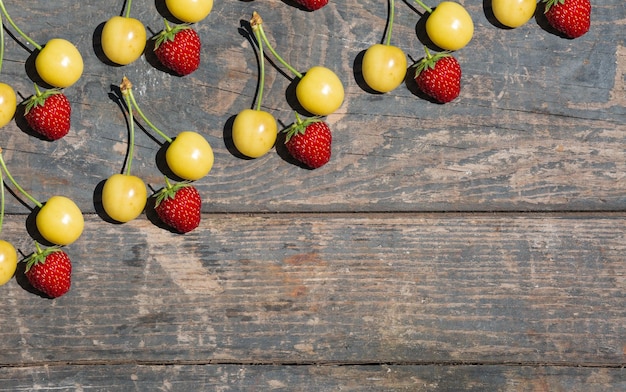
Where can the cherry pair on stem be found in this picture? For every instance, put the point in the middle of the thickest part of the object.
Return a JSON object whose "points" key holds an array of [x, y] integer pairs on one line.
{"points": [[123, 38], [189, 156], [384, 66], [319, 91]]}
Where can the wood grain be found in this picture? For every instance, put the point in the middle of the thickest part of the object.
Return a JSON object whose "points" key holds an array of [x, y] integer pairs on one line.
{"points": [[476, 245], [387, 378], [538, 126], [362, 288]]}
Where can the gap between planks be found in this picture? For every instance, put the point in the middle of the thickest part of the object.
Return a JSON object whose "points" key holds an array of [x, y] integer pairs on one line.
{"points": [[535, 364], [591, 214]]}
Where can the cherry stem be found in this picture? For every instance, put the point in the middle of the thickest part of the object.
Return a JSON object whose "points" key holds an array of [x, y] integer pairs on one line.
{"points": [[259, 97], [131, 141], [391, 17], [130, 96], [424, 6], [20, 32], [125, 88], [259, 26], [1, 200], [10, 177], [1, 44], [127, 12]]}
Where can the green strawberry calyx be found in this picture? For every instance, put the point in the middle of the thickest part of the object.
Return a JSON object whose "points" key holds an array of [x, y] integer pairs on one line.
{"points": [[169, 190], [40, 255], [300, 126], [168, 33], [429, 61], [39, 98], [550, 3]]}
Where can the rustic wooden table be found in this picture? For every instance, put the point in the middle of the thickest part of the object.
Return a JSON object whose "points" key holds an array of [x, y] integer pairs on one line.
{"points": [[477, 245]]}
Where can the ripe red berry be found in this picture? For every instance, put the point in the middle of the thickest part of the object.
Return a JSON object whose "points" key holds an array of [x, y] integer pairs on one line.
{"points": [[178, 49], [49, 114], [309, 142], [179, 206], [50, 271], [439, 76], [570, 17], [312, 5]]}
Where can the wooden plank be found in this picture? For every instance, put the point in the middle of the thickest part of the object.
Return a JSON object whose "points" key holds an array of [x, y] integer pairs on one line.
{"points": [[325, 291], [386, 378], [346, 288], [539, 124]]}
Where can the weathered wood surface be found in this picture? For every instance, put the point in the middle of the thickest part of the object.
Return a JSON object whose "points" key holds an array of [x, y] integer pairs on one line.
{"points": [[424, 256], [537, 113], [384, 378], [325, 289]]}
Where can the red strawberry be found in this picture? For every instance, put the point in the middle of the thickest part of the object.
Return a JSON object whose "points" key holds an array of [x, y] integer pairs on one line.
{"points": [[312, 5], [179, 206], [49, 271], [48, 113], [178, 48], [570, 17], [439, 76], [309, 141]]}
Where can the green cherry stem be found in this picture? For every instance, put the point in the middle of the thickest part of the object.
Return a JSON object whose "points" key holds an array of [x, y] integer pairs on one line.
{"points": [[20, 32], [1, 44], [392, 12], [10, 177], [424, 6], [1, 200], [257, 23], [127, 11], [132, 101], [257, 34], [125, 87]]}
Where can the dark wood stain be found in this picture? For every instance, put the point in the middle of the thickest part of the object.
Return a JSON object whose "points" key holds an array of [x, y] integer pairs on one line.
{"points": [[475, 246]]}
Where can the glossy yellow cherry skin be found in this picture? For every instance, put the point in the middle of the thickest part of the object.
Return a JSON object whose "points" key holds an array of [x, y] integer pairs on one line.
{"points": [[513, 13], [384, 67], [123, 39], [254, 132], [320, 91], [189, 156], [8, 261], [59, 63], [450, 26], [60, 221], [8, 104], [189, 11], [124, 197]]}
